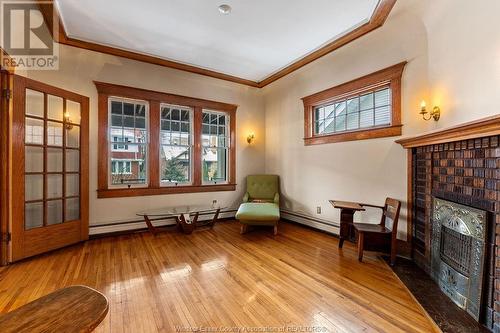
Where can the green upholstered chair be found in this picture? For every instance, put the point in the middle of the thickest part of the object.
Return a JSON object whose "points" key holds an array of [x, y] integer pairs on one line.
{"points": [[261, 203]]}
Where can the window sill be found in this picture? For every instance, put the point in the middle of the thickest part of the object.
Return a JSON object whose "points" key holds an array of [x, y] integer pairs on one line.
{"points": [[371, 133], [136, 192]]}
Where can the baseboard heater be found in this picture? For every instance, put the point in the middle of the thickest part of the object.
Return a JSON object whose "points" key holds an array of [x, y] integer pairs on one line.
{"points": [[313, 222], [139, 224]]}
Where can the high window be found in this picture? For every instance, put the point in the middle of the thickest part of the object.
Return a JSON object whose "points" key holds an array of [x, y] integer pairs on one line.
{"points": [[158, 143], [365, 108]]}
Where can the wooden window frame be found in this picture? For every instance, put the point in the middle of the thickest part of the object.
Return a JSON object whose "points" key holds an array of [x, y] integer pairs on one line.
{"points": [[155, 99], [390, 76]]}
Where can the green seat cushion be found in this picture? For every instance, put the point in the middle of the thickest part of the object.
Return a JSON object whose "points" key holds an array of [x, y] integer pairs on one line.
{"points": [[262, 212]]}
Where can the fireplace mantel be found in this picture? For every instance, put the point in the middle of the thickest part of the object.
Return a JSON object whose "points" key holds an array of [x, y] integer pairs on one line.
{"points": [[475, 129]]}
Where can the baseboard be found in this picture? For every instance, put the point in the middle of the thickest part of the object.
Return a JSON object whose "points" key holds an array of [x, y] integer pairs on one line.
{"points": [[139, 224], [122, 227], [313, 222]]}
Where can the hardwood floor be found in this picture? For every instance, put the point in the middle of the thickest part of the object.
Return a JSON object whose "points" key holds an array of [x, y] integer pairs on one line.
{"points": [[219, 278]]}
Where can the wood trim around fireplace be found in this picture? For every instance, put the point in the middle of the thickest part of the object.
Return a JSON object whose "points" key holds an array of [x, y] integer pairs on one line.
{"points": [[485, 127], [475, 129]]}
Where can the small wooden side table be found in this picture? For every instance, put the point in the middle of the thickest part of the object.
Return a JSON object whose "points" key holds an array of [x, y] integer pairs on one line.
{"points": [[78, 309], [347, 210]]}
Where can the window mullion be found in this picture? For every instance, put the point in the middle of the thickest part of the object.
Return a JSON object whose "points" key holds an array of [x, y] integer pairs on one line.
{"points": [[197, 126], [154, 144]]}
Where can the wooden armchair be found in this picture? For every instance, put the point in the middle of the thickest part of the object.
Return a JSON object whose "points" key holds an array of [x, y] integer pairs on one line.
{"points": [[380, 237]]}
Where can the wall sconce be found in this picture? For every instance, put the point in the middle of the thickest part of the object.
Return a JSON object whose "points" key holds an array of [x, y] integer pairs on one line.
{"points": [[435, 113], [67, 121], [250, 138]]}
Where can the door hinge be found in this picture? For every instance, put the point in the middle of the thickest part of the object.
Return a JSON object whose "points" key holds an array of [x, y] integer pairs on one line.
{"points": [[6, 237], [7, 93]]}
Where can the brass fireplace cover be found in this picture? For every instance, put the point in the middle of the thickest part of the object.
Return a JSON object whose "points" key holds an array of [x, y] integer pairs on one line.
{"points": [[458, 268]]}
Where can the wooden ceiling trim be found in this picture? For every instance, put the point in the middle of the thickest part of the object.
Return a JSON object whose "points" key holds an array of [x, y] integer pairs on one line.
{"points": [[378, 18]]}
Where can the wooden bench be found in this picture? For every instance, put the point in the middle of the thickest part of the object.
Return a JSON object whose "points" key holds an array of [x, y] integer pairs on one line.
{"points": [[72, 309]]}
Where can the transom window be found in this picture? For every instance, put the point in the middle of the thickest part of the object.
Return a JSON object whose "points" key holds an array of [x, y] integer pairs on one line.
{"points": [[159, 143], [365, 108]]}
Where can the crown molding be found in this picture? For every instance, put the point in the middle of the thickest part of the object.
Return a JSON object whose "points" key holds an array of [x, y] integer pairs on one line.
{"points": [[378, 18]]}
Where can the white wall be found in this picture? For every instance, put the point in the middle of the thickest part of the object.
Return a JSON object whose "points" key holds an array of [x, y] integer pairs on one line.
{"points": [[464, 58], [451, 61], [77, 70]]}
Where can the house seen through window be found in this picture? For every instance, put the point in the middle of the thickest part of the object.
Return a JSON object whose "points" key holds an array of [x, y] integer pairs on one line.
{"points": [[128, 135], [159, 143]]}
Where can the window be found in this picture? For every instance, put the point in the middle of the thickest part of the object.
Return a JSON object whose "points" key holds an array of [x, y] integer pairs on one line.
{"points": [[157, 143], [117, 146], [359, 111], [365, 108], [128, 119], [214, 146], [176, 144], [121, 167]]}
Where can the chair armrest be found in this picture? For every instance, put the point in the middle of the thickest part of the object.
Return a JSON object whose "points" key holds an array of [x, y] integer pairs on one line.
{"points": [[369, 205], [246, 197], [276, 199]]}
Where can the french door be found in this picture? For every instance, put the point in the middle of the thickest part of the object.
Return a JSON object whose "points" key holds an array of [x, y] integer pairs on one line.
{"points": [[49, 168]]}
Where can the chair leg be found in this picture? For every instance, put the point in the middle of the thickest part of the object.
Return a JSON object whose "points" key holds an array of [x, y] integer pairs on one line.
{"points": [[275, 229], [361, 241], [341, 242], [243, 228]]}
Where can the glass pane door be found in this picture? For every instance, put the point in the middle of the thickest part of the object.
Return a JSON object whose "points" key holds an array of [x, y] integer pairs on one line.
{"points": [[49, 168], [52, 160]]}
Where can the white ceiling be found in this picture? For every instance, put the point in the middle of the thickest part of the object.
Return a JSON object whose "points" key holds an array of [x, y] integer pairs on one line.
{"points": [[257, 39]]}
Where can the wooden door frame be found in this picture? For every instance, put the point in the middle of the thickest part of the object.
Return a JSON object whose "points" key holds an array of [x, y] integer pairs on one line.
{"points": [[20, 84], [5, 107]]}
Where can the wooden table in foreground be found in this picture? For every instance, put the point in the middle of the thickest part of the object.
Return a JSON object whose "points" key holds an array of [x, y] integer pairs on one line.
{"points": [[347, 210], [72, 309], [182, 215]]}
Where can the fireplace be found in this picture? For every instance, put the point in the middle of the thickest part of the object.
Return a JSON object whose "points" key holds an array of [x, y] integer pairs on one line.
{"points": [[458, 251], [458, 167]]}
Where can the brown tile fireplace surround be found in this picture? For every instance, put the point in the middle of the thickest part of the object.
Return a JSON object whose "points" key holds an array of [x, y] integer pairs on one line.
{"points": [[459, 169]]}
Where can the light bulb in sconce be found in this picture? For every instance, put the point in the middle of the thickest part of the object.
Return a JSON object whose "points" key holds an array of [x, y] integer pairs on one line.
{"points": [[67, 120], [422, 106], [434, 114], [250, 138]]}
